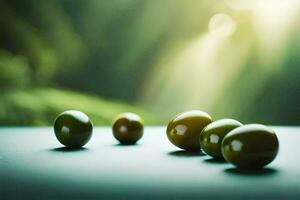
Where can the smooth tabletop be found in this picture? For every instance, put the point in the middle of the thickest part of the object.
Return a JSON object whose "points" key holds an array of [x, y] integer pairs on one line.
{"points": [[34, 165]]}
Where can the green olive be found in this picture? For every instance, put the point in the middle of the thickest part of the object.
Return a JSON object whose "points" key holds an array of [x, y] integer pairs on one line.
{"points": [[128, 128], [73, 128], [212, 135], [184, 129], [251, 146]]}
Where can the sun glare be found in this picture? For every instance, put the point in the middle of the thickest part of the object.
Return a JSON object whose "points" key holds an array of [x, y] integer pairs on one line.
{"points": [[199, 72]]}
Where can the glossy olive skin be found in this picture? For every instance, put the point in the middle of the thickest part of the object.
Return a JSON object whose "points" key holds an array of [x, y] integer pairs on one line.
{"points": [[73, 128], [184, 129], [212, 136], [128, 128], [251, 146]]}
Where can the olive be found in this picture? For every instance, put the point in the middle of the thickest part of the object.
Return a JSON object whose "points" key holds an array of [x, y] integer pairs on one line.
{"points": [[73, 128], [251, 146], [184, 129], [212, 135], [128, 128]]}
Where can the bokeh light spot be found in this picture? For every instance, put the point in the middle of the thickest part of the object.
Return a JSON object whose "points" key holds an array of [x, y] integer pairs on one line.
{"points": [[221, 25]]}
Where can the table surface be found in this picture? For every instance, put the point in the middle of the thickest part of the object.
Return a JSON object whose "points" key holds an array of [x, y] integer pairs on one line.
{"points": [[33, 165]]}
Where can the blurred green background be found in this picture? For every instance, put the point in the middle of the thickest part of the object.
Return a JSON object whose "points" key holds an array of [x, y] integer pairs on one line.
{"points": [[232, 58]]}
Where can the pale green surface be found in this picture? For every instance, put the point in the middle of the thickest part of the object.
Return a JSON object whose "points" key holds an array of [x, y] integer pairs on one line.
{"points": [[32, 167]]}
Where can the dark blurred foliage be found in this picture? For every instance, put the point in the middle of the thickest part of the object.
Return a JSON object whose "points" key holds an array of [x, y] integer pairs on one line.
{"points": [[93, 45], [123, 39], [109, 47], [42, 33]]}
